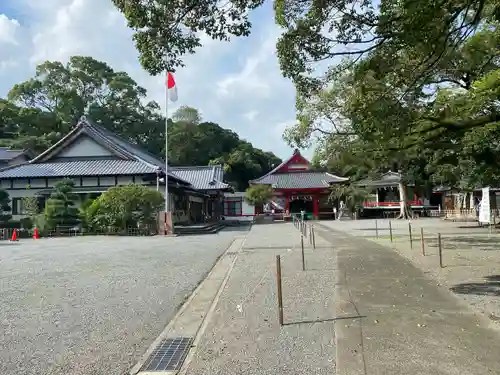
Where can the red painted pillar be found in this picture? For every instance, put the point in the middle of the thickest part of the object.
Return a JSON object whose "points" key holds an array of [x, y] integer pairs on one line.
{"points": [[315, 206], [287, 204]]}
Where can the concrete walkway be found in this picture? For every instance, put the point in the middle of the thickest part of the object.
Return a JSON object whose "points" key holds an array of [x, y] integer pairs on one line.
{"points": [[410, 325], [243, 335], [359, 308]]}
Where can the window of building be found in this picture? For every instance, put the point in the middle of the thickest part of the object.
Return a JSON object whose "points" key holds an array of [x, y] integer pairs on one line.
{"points": [[233, 207], [17, 206]]}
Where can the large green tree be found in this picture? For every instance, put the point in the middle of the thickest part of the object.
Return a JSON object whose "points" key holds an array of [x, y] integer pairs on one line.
{"points": [[441, 130], [44, 108]]}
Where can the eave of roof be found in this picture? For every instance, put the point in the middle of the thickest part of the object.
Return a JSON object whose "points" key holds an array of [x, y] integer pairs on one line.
{"points": [[300, 180]]}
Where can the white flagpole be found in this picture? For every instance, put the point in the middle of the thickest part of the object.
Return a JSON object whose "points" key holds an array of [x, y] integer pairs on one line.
{"points": [[166, 133]]}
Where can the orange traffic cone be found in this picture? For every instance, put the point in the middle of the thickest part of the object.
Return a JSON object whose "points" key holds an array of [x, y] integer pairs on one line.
{"points": [[36, 236], [14, 235]]}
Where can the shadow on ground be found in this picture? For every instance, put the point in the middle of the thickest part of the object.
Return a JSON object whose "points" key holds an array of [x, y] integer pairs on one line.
{"points": [[490, 287], [325, 320]]}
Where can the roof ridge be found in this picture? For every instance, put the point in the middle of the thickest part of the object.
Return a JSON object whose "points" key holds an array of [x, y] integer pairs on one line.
{"points": [[195, 166], [93, 128], [283, 163], [108, 132], [73, 131]]}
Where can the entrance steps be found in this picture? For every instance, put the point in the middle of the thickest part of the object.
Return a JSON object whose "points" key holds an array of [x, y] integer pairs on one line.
{"points": [[197, 229]]}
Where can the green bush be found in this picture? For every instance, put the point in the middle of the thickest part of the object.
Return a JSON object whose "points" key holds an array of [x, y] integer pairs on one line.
{"points": [[5, 209], [59, 208], [26, 223], [122, 207], [40, 223]]}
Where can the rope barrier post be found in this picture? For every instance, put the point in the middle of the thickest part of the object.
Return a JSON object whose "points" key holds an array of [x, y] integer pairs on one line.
{"points": [[422, 241], [303, 256], [440, 247], [411, 238], [279, 293], [390, 229], [313, 238]]}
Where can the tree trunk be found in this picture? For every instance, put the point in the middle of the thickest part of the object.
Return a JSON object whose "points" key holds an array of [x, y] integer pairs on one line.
{"points": [[404, 212]]}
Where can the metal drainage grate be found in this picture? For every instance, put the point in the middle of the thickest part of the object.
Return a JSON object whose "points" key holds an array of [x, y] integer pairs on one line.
{"points": [[232, 253], [169, 355]]}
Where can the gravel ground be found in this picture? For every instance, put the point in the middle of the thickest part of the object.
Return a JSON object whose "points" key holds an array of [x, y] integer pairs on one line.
{"points": [[93, 305], [248, 339], [471, 256]]}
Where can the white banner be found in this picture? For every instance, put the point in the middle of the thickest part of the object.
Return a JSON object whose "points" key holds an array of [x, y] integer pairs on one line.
{"points": [[484, 207]]}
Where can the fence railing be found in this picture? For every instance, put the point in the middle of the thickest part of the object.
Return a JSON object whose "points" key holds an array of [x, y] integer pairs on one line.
{"points": [[71, 231]]}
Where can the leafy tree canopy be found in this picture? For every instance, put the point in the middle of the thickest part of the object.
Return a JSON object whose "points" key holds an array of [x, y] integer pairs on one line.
{"points": [[173, 28], [438, 129], [257, 195]]}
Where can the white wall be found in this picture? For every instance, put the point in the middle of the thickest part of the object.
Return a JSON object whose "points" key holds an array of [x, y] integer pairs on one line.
{"points": [[84, 146], [247, 210]]}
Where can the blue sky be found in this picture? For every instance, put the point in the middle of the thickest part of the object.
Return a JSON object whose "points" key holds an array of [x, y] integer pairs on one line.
{"points": [[236, 84]]}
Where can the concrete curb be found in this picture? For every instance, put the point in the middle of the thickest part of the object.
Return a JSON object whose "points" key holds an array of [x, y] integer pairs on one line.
{"points": [[171, 325], [209, 314]]}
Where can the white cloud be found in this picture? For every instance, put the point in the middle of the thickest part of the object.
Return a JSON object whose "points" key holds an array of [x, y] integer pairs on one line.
{"points": [[8, 29], [251, 116], [236, 84]]}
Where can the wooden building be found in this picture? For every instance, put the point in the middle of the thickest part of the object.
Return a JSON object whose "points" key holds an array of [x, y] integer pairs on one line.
{"points": [[296, 187], [97, 159]]}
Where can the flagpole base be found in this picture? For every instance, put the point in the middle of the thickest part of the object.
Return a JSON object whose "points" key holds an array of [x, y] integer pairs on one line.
{"points": [[165, 223]]}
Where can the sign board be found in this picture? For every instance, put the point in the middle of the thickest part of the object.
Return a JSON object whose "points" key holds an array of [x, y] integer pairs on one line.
{"points": [[484, 207]]}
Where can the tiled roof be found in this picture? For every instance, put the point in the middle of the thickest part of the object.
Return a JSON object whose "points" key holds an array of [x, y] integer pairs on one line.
{"points": [[8, 154], [299, 180], [387, 179], [131, 158], [78, 168], [202, 177]]}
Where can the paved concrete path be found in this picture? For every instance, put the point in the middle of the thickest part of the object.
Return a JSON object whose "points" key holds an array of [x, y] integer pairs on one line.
{"points": [[409, 324], [243, 335]]}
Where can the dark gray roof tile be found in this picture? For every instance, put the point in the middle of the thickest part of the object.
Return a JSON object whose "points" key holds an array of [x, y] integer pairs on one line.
{"points": [[8, 154], [78, 168], [299, 180], [202, 177]]}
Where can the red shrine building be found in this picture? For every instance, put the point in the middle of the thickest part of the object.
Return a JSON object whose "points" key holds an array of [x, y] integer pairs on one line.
{"points": [[297, 188]]}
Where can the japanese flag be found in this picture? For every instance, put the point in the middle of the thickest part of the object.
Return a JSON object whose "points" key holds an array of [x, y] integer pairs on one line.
{"points": [[172, 87]]}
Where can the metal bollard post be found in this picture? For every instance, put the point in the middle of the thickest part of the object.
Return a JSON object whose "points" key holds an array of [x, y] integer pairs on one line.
{"points": [[303, 256], [390, 229], [313, 238], [376, 228], [440, 246], [310, 235], [280, 294], [411, 238], [422, 241]]}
